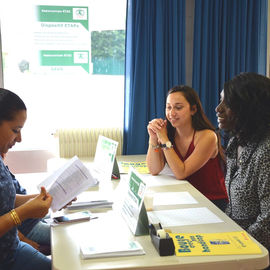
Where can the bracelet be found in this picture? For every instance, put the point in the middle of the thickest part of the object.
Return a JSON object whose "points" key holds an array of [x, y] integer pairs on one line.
{"points": [[15, 217], [155, 147]]}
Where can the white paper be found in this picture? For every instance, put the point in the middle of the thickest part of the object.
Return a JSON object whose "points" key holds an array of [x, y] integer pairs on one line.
{"points": [[182, 217], [173, 198], [162, 180], [67, 182]]}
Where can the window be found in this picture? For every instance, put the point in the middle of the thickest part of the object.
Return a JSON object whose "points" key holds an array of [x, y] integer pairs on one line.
{"points": [[65, 59]]}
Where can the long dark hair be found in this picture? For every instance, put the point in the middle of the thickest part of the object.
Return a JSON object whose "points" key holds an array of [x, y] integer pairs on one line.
{"points": [[248, 96], [10, 103], [199, 119]]}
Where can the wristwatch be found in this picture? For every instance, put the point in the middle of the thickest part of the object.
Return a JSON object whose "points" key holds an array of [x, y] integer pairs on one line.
{"points": [[166, 145]]}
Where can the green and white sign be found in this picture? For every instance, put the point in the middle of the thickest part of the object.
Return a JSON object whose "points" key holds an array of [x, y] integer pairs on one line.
{"points": [[63, 16], [65, 58], [104, 158], [62, 39], [133, 209]]}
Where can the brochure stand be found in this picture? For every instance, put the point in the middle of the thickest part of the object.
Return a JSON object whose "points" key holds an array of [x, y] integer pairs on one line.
{"points": [[115, 172], [143, 223]]}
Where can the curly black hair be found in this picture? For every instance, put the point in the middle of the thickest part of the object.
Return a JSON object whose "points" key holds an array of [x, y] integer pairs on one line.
{"points": [[248, 96]]}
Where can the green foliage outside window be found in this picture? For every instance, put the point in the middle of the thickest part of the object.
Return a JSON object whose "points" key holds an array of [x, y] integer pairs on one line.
{"points": [[108, 52]]}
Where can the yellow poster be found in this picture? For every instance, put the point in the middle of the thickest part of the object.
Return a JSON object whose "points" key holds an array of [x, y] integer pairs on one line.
{"points": [[203, 244], [140, 167]]}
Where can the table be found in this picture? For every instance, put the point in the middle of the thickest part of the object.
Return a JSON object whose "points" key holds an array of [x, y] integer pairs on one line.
{"points": [[109, 226]]}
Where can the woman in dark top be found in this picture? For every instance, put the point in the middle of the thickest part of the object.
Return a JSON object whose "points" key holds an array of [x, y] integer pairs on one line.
{"points": [[187, 142]]}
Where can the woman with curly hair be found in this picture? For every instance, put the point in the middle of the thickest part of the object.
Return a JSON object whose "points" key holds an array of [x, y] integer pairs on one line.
{"points": [[244, 112]]}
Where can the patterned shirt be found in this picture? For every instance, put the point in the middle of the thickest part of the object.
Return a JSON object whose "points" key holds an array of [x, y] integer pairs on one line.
{"points": [[10, 240], [27, 225], [248, 187]]}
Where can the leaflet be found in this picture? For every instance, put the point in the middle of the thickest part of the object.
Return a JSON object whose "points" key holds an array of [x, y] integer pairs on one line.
{"points": [[68, 182], [141, 167], [202, 244]]}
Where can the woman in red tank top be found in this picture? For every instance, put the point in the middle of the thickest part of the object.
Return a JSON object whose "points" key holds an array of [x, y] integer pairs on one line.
{"points": [[187, 141]]}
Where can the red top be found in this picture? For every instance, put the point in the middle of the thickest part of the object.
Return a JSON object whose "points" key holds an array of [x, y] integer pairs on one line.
{"points": [[209, 179]]}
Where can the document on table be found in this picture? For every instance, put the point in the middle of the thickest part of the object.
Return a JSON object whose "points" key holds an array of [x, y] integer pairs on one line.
{"points": [[182, 217], [90, 204], [68, 182], [140, 166], [111, 249], [172, 198], [162, 180]]}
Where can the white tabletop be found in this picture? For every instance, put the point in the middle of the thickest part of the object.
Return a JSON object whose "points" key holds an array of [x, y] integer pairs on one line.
{"points": [[110, 226]]}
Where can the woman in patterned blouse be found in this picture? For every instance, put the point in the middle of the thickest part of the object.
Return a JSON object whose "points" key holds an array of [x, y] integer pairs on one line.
{"points": [[244, 111]]}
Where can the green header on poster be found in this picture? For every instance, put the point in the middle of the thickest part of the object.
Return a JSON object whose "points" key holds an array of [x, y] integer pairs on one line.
{"points": [[63, 16], [65, 58]]}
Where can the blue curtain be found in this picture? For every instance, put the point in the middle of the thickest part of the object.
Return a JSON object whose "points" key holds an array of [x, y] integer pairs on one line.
{"points": [[155, 61], [229, 37]]}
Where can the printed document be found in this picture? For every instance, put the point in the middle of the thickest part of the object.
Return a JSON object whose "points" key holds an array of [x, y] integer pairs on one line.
{"points": [[141, 167], [68, 182]]}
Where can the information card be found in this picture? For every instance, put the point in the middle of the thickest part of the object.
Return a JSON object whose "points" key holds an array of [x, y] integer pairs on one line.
{"points": [[133, 209]]}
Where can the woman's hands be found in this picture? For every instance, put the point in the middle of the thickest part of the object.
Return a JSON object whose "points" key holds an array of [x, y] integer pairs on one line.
{"points": [[73, 200], [157, 130], [37, 207]]}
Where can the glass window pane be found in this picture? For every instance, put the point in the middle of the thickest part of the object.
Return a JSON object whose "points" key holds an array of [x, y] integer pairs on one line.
{"points": [[66, 60]]}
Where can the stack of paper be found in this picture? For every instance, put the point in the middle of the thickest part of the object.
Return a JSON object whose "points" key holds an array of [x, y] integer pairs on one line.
{"points": [[115, 249], [90, 204]]}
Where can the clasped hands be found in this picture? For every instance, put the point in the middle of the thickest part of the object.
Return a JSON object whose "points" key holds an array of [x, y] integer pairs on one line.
{"points": [[157, 130]]}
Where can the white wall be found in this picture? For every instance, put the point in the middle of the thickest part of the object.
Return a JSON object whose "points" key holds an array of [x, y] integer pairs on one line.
{"points": [[28, 161]]}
